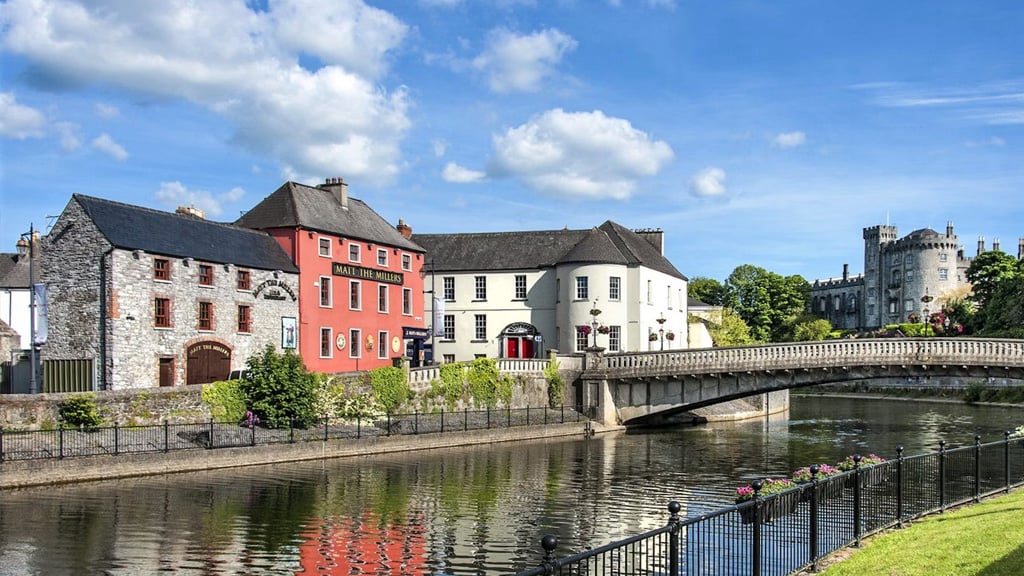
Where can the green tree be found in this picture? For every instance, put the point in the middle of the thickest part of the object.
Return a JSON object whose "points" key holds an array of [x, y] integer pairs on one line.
{"points": [[987, 270], [1004, 312], [812, 329], [768, 303], [709, 291], [279, 389], [732, 331]]}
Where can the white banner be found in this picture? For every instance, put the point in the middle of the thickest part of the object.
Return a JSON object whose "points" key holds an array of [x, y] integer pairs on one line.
{"points": [[438, 324], [41, 314]]}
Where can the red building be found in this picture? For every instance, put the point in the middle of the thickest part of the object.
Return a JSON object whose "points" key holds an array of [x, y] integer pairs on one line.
{"points": [[360, 283]]}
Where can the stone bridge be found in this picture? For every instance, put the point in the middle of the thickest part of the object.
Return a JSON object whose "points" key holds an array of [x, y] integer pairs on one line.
{"points": [[639, 388]]}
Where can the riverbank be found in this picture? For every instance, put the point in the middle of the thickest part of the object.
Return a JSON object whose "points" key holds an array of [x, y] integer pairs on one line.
{"points": [[916, 398], [25, 473]]}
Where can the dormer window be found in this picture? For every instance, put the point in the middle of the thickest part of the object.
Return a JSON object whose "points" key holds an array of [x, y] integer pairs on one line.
{"points": [[161, 269], [205, 275]]}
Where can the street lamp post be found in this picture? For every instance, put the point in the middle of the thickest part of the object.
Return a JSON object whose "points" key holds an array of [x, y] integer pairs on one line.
{"points": [[433, 310], [924, 310], [661, 329], [27, 245]]}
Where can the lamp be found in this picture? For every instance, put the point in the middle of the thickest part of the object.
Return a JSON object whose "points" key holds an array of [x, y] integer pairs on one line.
{"points": [[27, 246], [661, 329], [924, 312], [433, 306]]}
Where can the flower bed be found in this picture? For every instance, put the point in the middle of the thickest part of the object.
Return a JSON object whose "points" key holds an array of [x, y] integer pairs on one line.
{"points": [[773, 503]]}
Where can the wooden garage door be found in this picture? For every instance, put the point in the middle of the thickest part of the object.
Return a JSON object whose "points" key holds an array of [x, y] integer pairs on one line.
{"points": [[208, 362]]}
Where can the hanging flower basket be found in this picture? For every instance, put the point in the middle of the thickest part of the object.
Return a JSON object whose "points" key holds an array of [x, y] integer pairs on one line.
{"points": [[584, 329], [595, 311], [603, 329], [670, 336], [652, 337]]}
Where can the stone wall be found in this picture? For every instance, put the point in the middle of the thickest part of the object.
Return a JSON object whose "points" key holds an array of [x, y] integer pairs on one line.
{"points": [[176, 405]]}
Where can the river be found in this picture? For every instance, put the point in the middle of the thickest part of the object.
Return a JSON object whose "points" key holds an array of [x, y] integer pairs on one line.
{"points": [[474, 510]]}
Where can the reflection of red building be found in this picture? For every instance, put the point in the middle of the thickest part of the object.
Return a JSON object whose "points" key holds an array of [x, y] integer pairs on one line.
{"points": [[366, 547], [359, 277]]}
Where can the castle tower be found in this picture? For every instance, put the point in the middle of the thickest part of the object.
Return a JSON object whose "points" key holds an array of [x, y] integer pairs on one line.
{"points": [[876, 239], [981, 245]]}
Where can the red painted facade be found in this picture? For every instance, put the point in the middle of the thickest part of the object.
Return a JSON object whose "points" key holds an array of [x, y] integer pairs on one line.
{"points": [[355, 297]]}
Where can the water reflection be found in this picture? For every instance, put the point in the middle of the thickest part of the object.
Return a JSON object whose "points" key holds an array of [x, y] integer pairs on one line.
{"points": [[478, 510]]}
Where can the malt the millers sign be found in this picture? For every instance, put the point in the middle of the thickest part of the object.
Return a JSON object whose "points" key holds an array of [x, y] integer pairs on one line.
{"points": [[350, 271]]}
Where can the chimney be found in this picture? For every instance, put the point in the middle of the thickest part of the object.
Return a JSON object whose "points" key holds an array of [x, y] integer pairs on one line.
{"points": [[846, 272], [404, 229], [339, 188], [995, 244], [981, 245], [654, 236], [190, 211], [949, 229], [1020, 249]]}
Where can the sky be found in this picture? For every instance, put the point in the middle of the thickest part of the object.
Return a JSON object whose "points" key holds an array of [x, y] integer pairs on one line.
{"points": [[752, 132]]}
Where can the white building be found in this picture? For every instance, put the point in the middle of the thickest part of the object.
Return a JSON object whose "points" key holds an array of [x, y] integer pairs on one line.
{"points": [[520, 294], [15, 307]]}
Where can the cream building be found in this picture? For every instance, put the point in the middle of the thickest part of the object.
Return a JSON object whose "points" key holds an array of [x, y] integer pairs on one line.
{"points": [[520, 294]]}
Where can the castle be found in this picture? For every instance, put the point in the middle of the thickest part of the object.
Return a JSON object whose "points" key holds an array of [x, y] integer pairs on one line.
{"points": [[912, 275]]}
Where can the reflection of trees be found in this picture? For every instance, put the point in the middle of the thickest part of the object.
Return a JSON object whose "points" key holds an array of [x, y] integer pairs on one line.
{"points": [[277, 514]]}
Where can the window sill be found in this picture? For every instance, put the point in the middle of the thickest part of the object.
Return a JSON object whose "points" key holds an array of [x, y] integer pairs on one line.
{"points": [[444, 341], [478, 341], [478, 300]]}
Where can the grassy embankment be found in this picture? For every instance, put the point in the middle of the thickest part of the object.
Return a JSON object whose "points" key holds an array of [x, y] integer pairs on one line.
{"points": [[984, 539]]}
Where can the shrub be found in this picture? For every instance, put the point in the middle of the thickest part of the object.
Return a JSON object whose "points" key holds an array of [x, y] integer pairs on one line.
{"points": [[389, 387], [485, 381], [556, 383], [279, 389], [225, 400], [974, 392], [453, 384], [80, 411]]}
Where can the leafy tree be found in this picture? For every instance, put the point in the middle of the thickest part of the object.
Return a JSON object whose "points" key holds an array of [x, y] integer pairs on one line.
{"points": [[709, 291], [768, 302], [1004, 312], [80, 410], [812, 329], [987, 270], [279, 389], [732, 331]]}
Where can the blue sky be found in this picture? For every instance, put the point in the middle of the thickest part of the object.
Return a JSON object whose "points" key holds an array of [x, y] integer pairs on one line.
{"points": [[752, 132]]}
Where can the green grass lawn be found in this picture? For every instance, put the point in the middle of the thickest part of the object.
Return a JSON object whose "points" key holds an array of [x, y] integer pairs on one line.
{"points": [[984, 539]]}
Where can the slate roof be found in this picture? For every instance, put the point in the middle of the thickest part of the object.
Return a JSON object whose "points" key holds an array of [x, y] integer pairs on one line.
{"points": [[136, 228], [14, 270], [609, 243], [311, 208]]}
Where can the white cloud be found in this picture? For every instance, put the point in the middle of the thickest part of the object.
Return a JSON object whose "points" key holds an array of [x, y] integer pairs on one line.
{"points": [[708, 182], [515, 63], [175, 194], [106, 110], [240, 63], [104, 143], [17, 121], [789, 139], [68, 135], [581, 154], [440, 147], [454, 173], [993, 141]]}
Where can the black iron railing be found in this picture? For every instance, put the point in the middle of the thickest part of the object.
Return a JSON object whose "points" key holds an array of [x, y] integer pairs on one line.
{"points": [[791, 531], [65, 442]]}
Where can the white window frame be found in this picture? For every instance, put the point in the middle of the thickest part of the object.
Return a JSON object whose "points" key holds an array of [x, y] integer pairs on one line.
{"points": [[355, 343], [520, 286], [449, 291], [355, 252], [382, 290], [480, 327], [943, 273], [582, 288], [358, 294], [382, 257], [480, 288], [406, 261], [449, 327], [407, 301], [324, 246], [382, 344], [330, 292], [614, 288], [615, 338], [330, 342]]}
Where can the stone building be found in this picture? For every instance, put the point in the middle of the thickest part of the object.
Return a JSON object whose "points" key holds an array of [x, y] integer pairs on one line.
{"points": [[904, 278], [518, 294], [360, 286], [143, 298]]}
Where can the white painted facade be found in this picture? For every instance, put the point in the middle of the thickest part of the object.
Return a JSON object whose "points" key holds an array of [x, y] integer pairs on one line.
{"points": [[15, 310]]}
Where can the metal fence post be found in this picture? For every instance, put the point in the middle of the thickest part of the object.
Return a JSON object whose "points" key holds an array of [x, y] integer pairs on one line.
{"points": [[563, 414], [488, 417], [977, 467], [856, 499], [942, 475], [2, 443], [755, 540], [60, 441], [549, 563], [359, 426], [116, 439], [252, 434], [508, 420], [527, 414], [813, 519], [291, 431], [211, 433], [545, 415], [416, 422], [442, 420], [673, 543], [465, 418], [389, 424], [899, 486], [1006, 456], [167, 436], [325, 429]]}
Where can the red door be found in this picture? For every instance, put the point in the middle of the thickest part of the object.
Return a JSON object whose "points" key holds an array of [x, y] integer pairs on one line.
{"points": [[527, 348], [511, 347]]}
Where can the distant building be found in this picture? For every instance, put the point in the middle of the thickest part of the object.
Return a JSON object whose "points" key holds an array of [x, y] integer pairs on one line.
{"points": [[903, 278], [360, 286], [519, 294], [14, 295], [145, 298]]}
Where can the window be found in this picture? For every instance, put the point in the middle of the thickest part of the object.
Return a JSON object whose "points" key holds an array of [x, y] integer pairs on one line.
{"points": [[908, 304], [325, 292], [243, 280], [162, 312], [326, 341], [909, 276], [480, 326], [520, 287], [908, 260], [206, 315], [382, 298], [558, 290], [205, 275], [324, 246], [354, 252], [650, 294], [481, 287], [355, 340], [161, 269], [895, 259], [582, 288], [449, 288], [355, 296], [449, 327], [837, 303], [614, 338], [406, 262], [382, 345], [407, 301], [668, 297], [614, 288], [894, 306], [244, 318], [581, 340], [382, 257], [449, 358], [943, 257], [943, 273]]}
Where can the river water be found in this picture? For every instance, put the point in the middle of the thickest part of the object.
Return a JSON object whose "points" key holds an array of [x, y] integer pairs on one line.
{"points": [[474, 510]]}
